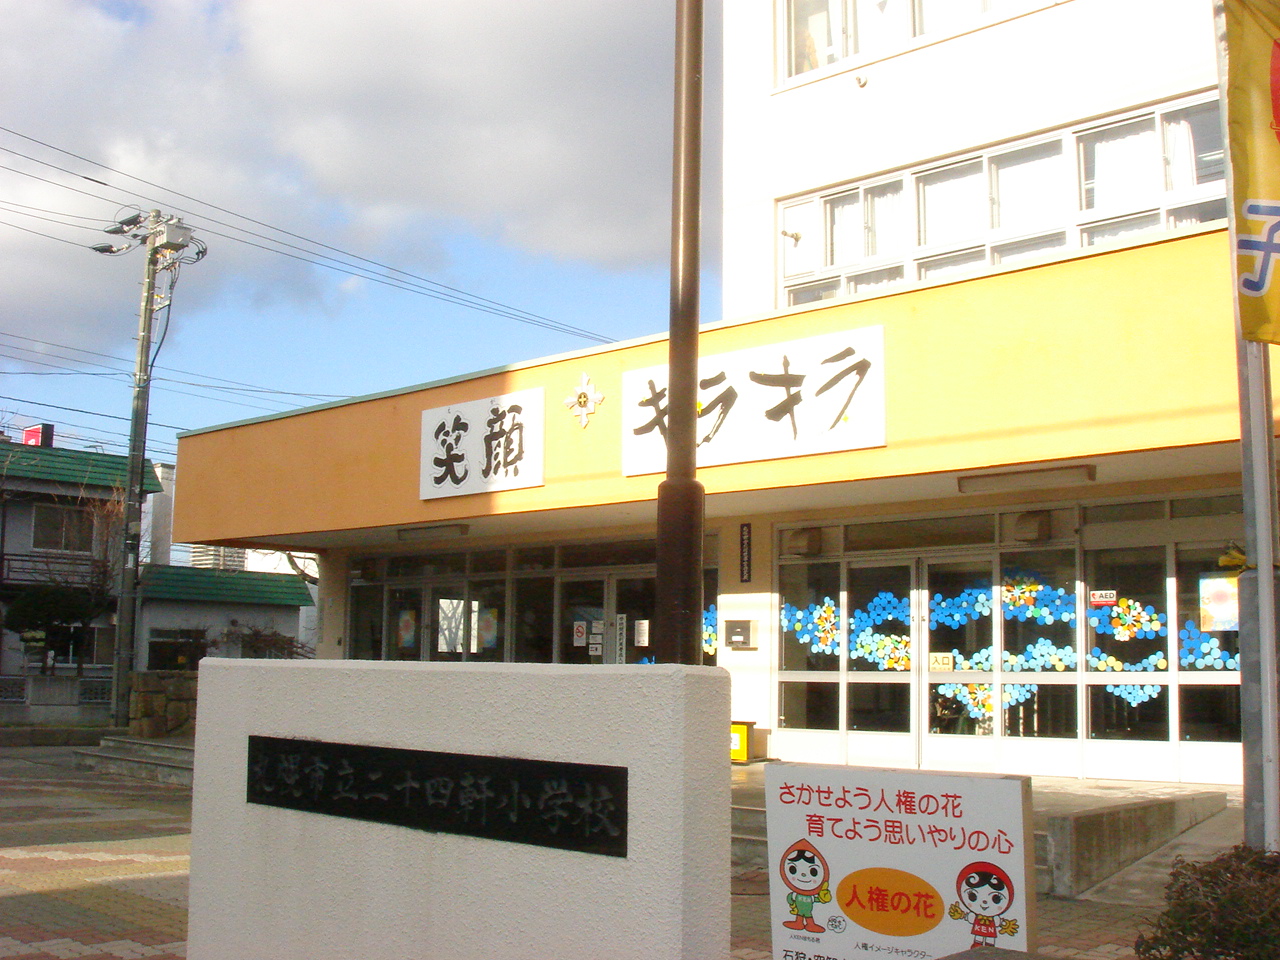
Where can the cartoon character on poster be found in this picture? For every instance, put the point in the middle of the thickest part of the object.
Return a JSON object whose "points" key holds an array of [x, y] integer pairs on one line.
{"points": [[986, 893], [805, 872]]}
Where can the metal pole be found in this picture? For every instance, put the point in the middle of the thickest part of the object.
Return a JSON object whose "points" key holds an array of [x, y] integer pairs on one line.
{"points": [[678, 637], [1259, 695], [131, 526], [1259, 692]]}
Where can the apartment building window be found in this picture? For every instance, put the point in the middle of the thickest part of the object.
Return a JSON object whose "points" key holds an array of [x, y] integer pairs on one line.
{"points": [[823, 32], [1119, 178], [65, 528]]}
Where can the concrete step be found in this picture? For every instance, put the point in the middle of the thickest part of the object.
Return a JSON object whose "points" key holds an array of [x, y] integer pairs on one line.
{"points": [[1077, 849], [177, 750], [160, 761], [54, 736]]}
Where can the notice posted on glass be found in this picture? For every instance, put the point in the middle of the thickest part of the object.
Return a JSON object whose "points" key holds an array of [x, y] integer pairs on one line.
{"points": [[908, 864]]}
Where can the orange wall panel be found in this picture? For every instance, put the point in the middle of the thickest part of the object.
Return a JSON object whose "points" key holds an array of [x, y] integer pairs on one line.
{"points": [[1106, 353]]}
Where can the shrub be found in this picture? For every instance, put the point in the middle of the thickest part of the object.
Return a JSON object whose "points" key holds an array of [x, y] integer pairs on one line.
{"points": [[1227, 908]]}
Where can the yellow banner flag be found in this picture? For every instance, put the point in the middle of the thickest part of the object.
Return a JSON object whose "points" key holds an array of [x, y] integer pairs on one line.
{"points": [[1253, 134]]}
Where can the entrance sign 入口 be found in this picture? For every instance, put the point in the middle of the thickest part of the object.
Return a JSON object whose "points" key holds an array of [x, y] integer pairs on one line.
{"points": [[482, 446], [867, 862], [818, 395]]}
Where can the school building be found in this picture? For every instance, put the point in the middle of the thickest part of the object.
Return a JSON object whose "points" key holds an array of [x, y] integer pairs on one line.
{"points": [[969, 429]]}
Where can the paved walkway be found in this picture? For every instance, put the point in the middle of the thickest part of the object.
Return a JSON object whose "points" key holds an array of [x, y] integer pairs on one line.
{"points": [[91, 867], [95, 867]]}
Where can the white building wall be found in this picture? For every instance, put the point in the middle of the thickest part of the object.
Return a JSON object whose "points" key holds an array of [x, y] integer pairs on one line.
{"points": [[216, 619], [1062, 63]]}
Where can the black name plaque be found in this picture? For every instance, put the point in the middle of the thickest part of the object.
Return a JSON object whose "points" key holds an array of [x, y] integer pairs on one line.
{"points": [[568, 806]]}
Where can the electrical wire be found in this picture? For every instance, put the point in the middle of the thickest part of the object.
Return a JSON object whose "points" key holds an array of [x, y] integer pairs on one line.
{"points": [[92, 413], [99, 221], [97, 228], [129, 374], [452, 294], [47, 236], [190, 373], [565, 328]]}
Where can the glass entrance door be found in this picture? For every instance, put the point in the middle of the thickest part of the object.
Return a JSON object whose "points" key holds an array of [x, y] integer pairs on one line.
{"points": [[879, 692], [960, 596], [880, 649], [606, 619]]}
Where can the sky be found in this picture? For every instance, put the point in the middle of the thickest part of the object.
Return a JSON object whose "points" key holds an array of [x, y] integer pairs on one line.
{"points": [[514, 154]]}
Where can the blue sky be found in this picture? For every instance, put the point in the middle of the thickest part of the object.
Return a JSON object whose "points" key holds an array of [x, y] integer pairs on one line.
{"points": [[517, 151]]}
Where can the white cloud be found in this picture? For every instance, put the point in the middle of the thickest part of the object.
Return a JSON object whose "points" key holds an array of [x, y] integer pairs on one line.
{"points": [[548, 122], [375, 125]]}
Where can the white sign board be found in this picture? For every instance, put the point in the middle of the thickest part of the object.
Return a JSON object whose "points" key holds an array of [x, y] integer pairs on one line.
{"points": [[818, 395], [897, 863], [482, 446]]}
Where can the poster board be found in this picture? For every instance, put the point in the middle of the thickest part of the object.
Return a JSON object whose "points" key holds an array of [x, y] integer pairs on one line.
{"points": [[867, 862]]}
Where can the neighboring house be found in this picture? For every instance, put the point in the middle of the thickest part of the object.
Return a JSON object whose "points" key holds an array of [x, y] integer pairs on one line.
{"points": [[968, 429], [59, 528], [59, 555], [191, 612]]}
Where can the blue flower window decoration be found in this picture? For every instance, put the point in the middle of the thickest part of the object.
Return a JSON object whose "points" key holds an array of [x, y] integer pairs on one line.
{"points": [[1016, 693], [974, 697], [888, 651], [972, 604], [1133, 693], [1042, 656], [1204, 651], [710, 630], [818, 625], [1024, 598]]}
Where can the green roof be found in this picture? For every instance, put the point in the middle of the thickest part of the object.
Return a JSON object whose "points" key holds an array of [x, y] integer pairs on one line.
{"points": [[78, 467], [223, 586]]}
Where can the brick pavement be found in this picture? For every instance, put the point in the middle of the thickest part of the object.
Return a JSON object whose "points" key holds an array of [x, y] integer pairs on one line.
{"points": [[95, 867], [91, 867]]}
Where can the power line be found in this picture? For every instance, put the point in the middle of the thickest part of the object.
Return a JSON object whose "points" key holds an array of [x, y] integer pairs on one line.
{"points": [[96, 228], [47, 236], [530, 317], [190, 373], [125, 373], [92, 413], [99, 221], [451, 294]]}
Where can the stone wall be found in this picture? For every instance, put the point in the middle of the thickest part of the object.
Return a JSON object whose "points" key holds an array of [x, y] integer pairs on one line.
{"points": [[162, 703]]}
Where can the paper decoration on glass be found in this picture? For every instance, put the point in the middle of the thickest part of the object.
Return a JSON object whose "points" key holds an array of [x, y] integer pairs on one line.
{"points": [[819, 395], [483, 445]]}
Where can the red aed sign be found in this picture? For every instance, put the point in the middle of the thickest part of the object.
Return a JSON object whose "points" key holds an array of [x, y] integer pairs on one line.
{"points": [[1102, 598]]}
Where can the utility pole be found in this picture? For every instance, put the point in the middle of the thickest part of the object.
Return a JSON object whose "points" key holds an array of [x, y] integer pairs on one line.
{"points": [[164, 239]]}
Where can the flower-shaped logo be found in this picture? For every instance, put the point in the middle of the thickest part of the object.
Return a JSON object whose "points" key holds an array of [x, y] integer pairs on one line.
{"points": [[583, 401]]}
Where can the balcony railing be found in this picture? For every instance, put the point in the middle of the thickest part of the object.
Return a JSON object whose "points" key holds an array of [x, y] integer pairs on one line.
{"points": [[52, 568]]}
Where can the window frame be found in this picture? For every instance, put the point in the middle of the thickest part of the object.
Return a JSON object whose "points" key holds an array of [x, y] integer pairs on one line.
{"points": [[850, 48], [70, 517], [1069, 227]]}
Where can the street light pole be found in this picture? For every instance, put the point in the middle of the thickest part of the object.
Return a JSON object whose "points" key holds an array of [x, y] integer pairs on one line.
{"points": [[678, 638]]}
